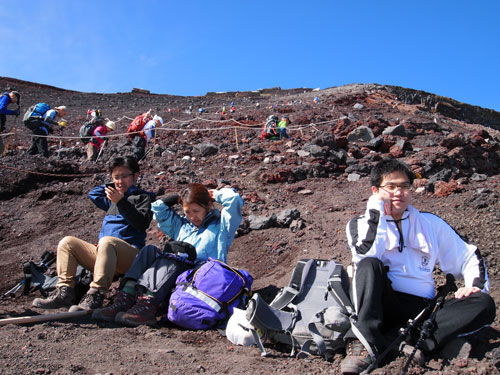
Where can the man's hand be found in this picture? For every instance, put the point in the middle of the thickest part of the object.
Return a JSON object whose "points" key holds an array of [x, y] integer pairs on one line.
{"points": [[466, 291], [17, 112], [385, 197], [112, 194]]}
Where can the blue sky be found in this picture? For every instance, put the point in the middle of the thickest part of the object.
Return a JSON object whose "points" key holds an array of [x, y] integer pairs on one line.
{"points": [[449, 48]]}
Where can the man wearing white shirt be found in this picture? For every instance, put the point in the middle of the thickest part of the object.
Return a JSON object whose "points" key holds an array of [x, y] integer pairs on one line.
{"points": [[394, 250]]}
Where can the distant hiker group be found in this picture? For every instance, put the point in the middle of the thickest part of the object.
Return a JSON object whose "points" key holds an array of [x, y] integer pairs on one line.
{"points": [[40, 119], [274, 128]]}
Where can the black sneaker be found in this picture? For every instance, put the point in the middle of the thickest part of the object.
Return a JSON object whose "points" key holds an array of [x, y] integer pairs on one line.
{"points": [[357, 359], [90, 301], [63, 296]]}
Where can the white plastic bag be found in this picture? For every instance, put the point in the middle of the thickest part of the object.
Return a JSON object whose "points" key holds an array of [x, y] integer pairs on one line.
{"points": [[238, 329]]}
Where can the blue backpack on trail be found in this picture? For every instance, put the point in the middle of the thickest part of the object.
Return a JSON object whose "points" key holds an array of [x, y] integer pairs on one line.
{"points": [[204, 297], [34, 114]]}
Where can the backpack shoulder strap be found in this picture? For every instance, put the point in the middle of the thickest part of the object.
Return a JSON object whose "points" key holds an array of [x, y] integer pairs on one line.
{"points": [[295, 285], [336, 289]]}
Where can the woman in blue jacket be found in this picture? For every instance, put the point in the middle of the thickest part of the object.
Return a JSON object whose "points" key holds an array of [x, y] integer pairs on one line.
{"points": [[209, 230]]}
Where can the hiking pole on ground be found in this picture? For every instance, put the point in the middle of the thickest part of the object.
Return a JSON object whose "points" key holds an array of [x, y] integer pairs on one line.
{"points": [[44, 317], [412, 324], [429, 323], [100, 149]]}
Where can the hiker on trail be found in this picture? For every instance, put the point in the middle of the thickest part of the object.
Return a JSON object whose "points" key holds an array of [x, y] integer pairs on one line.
{"points": [[40, 121], [148, 131], [209, 230], [394, 249], [281, 126], [7, 98], [98, 138], [137, 125], [123, 234], [94, 114]]}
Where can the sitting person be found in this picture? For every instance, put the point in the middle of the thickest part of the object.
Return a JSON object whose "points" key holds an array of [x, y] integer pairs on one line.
{"points": [[123, 233], [209, 230], [394, 249]]}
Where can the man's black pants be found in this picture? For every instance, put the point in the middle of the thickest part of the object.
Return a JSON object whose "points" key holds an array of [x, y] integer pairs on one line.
{"points": [[381, 310], [38, 144]]}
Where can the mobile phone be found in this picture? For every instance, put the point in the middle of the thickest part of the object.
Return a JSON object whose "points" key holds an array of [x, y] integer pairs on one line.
{"points": [[110, 184]]}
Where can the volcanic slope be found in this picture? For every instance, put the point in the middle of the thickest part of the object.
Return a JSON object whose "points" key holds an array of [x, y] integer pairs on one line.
{"points": [[299, 195]]}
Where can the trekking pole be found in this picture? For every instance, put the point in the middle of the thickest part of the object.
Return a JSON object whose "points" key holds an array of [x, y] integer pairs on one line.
{"points": [[60, 145], [13, 291], [429, 323], [13, 131], [404, 331], [412, 324], [100, 149], [154, 143]]}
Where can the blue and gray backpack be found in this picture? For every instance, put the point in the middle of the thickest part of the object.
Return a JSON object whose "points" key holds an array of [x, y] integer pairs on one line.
{"points": [[34, 114]]}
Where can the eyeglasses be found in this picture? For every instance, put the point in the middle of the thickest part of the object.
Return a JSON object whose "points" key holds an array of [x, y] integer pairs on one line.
{"points": [[121, 177], [391, 188]]}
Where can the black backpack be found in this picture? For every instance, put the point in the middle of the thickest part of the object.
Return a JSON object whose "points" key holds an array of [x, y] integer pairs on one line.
{"points": [[87, 129], [40, 277]]}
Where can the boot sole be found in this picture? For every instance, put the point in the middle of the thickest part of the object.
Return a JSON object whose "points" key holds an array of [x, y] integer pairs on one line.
{"points": [[123, 320]]}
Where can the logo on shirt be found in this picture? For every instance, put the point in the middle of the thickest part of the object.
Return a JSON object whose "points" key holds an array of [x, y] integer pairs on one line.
{"points": [[424, 264]]}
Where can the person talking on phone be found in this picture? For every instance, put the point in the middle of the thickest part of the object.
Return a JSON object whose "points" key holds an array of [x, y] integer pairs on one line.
{"points": [[123, 234]]}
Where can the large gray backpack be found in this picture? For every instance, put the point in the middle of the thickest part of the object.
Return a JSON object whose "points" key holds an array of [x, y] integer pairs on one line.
{"points": [[311, 315]]}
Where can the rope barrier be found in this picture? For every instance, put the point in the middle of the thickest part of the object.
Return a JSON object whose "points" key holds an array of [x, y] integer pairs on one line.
{"points": [[198, 129]]}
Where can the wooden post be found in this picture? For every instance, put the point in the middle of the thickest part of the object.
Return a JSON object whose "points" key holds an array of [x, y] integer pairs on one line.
{"points": [[44, 317], [236, 136]]}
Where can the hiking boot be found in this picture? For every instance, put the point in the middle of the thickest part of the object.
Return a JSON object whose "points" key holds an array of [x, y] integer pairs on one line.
{"points": [[122, 302], [63, 296], [90, 301], [407, 349], [143, 312], [357, 359], [457, 349]]}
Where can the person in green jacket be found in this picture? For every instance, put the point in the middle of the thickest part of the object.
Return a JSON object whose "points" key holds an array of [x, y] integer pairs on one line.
{"points": [[281, 127]]}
